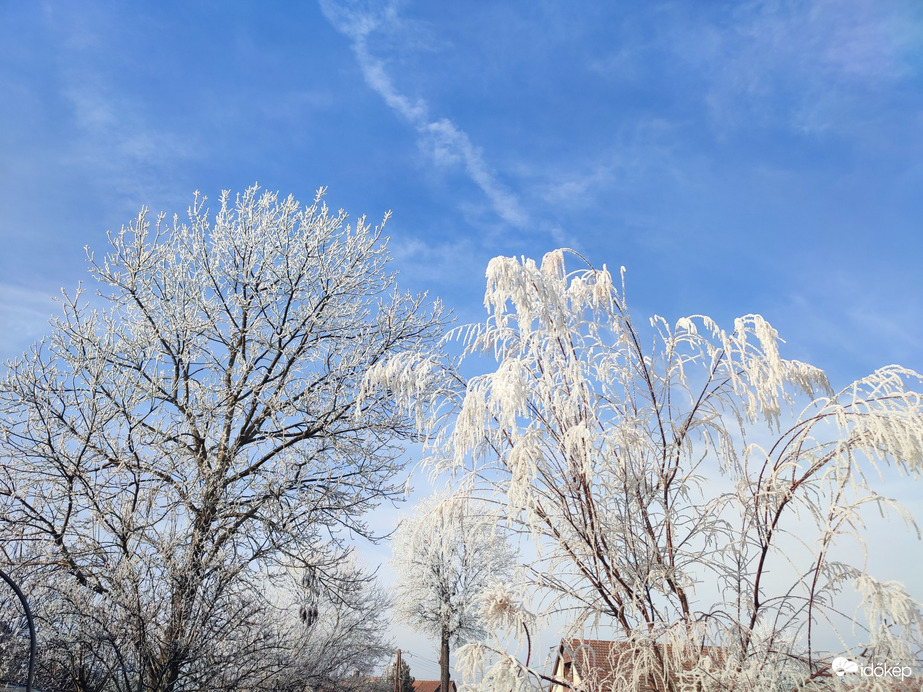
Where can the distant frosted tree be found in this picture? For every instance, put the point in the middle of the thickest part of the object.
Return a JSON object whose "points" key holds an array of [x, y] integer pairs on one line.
{"points": [[208, 425], [688, 489], [446, 555]]}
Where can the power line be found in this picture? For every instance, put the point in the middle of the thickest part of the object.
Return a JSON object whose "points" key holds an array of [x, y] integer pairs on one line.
{"points": [[425, 672], [422, 658], [421, 667], [429, 667], [405, 652]]}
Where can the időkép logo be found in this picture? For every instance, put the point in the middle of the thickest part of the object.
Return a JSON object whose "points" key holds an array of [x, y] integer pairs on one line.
{"points": [[844, 666]]}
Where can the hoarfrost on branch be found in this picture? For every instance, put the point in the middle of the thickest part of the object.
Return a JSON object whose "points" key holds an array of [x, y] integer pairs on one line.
{"points": [[208, 428], [688, 490]]}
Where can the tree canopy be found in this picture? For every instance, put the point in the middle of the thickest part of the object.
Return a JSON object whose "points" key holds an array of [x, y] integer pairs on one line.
{"points": [[447, 555], [686, 486], [203, 425]]}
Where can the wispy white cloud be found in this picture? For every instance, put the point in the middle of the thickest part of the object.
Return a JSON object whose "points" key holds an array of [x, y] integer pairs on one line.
{"points": [[446, 142], [581, 187], [852, 326], [114, 138], [24, 315], [110, 128], [443, 267], [639, 150], [813, 66], [807, 65]]}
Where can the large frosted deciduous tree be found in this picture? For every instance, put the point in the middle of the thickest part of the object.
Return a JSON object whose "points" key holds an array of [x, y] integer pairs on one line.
{"points": [[693, 494], [205, 425], [446, 555]]}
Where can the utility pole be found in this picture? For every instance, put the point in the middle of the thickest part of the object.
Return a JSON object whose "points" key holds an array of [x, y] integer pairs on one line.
{"points": [[397, 673]]}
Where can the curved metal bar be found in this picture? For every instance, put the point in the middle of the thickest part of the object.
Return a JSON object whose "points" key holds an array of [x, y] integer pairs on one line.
{"points": [[25, 607]]}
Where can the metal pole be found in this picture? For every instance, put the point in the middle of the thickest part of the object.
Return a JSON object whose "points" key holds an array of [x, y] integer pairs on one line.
{"points": [[25, 607]]}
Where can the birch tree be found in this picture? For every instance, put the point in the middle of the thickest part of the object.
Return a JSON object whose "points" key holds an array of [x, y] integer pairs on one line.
{"points": [[446, 556], [201, 427], [690, 492]]}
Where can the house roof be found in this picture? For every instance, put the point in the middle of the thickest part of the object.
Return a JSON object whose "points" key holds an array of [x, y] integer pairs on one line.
{"points": [[431, 686], [601, 661], [597, 650], [597, 661]]}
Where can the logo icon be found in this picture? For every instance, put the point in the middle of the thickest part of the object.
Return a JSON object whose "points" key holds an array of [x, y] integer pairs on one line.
{"points": [[841, 666]]}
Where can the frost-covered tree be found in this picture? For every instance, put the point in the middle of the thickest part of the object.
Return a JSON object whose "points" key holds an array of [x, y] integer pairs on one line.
{"points": [[336, 651], [690, 492], [348, 640], [271, 647], [204, 425], [446, 555]]}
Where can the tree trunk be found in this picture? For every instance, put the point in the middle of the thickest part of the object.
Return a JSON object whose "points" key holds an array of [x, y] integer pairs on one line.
{"points": [[444, 662]]}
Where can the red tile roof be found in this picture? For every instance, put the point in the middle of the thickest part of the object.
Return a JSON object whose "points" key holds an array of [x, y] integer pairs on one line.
{"points": [[431, 686], [598, 662]]}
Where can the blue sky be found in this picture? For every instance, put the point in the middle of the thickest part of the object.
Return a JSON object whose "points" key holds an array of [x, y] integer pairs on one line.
{"points": [[736, 157]]}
